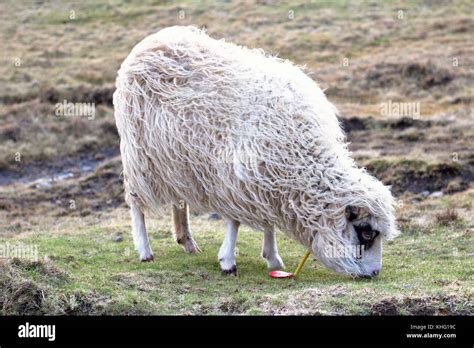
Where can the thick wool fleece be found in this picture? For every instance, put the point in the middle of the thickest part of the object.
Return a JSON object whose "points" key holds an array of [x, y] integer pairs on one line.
{"points": [[235, 131]]}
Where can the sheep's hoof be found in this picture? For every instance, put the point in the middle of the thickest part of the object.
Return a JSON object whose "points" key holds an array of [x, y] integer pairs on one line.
{"points": [[230, 272], [275, 263], [190, 247], [147, 258]]}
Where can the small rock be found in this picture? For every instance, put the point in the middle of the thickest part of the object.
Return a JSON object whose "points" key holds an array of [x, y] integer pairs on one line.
{"points": [[118, 238], [214, 216], [425, 193], [436, 194]]}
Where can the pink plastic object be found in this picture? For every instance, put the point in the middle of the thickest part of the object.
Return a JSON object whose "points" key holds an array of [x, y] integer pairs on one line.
{"points": [[281, 274]]}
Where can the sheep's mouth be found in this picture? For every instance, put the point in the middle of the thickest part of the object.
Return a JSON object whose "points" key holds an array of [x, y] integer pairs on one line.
{"points": [[362, 276]]}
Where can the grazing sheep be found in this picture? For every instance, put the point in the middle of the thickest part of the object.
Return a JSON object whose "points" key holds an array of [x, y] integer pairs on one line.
{"points": [[218, 127]]}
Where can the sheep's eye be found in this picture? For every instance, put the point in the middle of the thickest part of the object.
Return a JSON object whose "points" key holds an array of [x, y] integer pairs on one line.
{"points": [[368, 235]]}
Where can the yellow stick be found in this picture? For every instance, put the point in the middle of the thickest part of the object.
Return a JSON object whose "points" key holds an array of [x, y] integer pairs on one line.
{"points": [[301, 264]]}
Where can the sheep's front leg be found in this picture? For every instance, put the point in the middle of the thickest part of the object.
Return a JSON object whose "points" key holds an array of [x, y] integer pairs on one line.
{"points": [[181, 230], [140, 236], [227, 251], [270, 250]]}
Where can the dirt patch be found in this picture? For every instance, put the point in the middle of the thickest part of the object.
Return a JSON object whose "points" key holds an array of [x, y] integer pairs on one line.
{"points": [[232, 306], [81, 93], [424, 75], [353, 124], [10, 131], [17, 98], [99, 190], [435, 305], [418, 176], [96, 192], [80, 195], [408, 122], [69, 166]]}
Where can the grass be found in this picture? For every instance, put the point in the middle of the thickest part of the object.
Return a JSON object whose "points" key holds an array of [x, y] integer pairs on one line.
{"points": [[446, 217], [89, 272]]}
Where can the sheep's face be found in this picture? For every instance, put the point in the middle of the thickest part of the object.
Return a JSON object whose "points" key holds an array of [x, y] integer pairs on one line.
{"points": [[357, 249]]}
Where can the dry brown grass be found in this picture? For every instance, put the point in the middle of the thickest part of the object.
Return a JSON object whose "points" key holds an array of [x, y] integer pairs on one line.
{"points": [[447, 217]]}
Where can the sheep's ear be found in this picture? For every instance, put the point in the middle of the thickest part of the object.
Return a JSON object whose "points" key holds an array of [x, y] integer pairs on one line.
{"points": [[351, 212]]}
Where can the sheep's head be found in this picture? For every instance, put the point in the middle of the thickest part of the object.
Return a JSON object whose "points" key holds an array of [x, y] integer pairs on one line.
{"points": [[354, 246]]}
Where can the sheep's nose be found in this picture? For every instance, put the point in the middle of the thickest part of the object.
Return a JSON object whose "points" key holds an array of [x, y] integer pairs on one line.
{"points": [[370, 274]]}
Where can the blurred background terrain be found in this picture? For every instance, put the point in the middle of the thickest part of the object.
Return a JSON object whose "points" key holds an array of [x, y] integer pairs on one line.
{"points": [[60, 176]]}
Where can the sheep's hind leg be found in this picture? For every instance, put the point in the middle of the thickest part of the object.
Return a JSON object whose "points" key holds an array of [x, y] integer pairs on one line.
{"points": [[227, 251], [140, 235], [181, 231], [270, 251]]}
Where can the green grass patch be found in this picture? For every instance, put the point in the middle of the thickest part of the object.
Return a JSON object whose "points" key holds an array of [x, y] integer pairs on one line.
{"points": [[90, 273]]}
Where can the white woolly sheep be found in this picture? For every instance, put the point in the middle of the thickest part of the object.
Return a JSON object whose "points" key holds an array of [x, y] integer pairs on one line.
{"points": [[219, 127]]}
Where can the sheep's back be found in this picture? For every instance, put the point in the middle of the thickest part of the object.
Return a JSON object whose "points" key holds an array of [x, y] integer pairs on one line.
{"points": [[214, 123]]}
